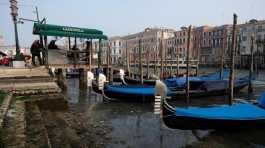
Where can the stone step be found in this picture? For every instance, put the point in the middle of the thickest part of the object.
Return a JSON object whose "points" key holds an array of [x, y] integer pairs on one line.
{"points": [[4, 108], [31, 88], [37, 135], [26, 80], [24, 72], [20, 124]]}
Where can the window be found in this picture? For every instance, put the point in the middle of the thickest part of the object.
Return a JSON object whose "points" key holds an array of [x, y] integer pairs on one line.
{"points": [[114, 43], [259, 37], [119, 43], [244, 38], [259, 29]]}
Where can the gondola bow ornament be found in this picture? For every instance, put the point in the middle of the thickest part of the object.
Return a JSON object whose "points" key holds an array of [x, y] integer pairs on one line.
{"points": [[101, 81], [90, 78]]}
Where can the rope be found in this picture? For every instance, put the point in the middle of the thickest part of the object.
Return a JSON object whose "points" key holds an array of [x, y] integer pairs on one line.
{"points": [[106, 98]]}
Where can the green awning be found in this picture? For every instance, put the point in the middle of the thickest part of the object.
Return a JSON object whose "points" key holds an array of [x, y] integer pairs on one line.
{"points": [[64, 31], [72, 34]]}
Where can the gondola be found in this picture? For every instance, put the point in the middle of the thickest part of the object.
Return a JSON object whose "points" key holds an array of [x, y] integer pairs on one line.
{"points": [[129, 93], [211, 88], [222, 117], [180, 82], [146, 93], [131, 81], [195, 82]]}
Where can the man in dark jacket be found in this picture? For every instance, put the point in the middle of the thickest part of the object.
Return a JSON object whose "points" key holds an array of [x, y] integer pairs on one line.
{"points": [[35, 50]]}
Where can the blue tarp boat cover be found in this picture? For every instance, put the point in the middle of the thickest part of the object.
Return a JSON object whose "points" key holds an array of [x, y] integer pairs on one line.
{"points": [[137, 90], [239, 111], [214, 85], [181, 81], [134, 90], [261, 100]]}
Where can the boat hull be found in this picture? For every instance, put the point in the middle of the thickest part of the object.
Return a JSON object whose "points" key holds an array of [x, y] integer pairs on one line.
{"points": [[131, 81], [128, 97], [204, 93], [191, 123]]}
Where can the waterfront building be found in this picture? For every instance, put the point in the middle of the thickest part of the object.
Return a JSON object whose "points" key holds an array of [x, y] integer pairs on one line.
{"points": [[202, 44], [116, 47], [152, 40], [255, 28]]}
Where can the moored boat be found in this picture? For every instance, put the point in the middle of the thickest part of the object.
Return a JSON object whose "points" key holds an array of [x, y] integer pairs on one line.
{"points": [[129, 93], [131, 81], [211, 88], [238, 115]]}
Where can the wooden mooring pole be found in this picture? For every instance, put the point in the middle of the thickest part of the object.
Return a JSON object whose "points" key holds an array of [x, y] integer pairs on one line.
{"points": [[108, 62], [147, 63], [188, 68], [231, 77], [128, 59], [177, 62], [134, 61], [250, 89], [222, 65], [140, 62], [99, 54], [162, 57]]}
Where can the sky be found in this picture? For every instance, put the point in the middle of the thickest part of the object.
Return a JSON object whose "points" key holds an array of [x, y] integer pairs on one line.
{"points": [[122, 17]]}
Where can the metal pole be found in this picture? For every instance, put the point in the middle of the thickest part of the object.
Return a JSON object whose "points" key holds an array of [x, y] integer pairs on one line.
{"points": [[90, 55], [16, 38], [14, 14], [75, 54], [46, 50], [187, 68], [37, 13], [231, 78], [140, 62]]}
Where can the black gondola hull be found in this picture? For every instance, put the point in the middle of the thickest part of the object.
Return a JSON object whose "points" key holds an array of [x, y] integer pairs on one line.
{"points": [[204, 93], [131, 81], [173, 121]]}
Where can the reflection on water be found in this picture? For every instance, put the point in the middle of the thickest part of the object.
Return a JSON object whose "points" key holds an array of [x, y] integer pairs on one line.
{"points": [[135, 125]]}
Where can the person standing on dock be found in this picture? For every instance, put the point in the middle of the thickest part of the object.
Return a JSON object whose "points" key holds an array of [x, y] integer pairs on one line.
{"points": [[35, 50]]}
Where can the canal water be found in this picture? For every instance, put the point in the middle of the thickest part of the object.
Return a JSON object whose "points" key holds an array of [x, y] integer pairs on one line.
{"points": [[135, 125]]}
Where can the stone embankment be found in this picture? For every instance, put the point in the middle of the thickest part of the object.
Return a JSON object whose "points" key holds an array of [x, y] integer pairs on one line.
{"points": [[28, 81]]}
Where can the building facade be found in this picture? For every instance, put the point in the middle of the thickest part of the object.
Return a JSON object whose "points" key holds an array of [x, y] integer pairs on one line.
{"points": [[151, 40], [252, 28], [115, 44], [208, 44]]}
